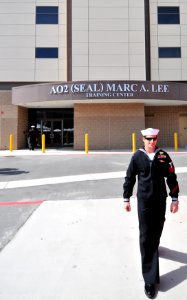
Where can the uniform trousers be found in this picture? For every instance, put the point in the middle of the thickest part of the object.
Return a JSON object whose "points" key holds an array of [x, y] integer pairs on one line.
{"points": [[151, 215]]}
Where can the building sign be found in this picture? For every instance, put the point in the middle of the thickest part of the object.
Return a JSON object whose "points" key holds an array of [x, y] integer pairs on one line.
{"points": [[110, 90], [36, 94]]}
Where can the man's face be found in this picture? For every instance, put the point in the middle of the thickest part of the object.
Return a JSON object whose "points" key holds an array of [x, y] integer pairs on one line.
{"points": [[150, 141]]}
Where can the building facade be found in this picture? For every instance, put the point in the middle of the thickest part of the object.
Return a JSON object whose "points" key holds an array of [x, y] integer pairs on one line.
{"points": [[102, 67]]}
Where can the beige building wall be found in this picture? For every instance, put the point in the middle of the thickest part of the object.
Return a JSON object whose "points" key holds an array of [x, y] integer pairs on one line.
{"points": [[167, 119], [13, 120], [19, 36], [109, 126], [174, 35], [8, 120], [22, 128], [108, 40]]}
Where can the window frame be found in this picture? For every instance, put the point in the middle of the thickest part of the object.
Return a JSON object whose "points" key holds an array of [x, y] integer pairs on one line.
{"points": [[170, 15], [46, 52], [163, 55], [46, 15]]}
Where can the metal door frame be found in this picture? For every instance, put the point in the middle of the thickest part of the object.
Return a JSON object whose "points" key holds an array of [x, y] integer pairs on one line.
{"points": [[52, 121]]}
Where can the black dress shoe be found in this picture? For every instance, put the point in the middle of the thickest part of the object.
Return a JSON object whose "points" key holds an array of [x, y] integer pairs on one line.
{"points": [[150, 290]]}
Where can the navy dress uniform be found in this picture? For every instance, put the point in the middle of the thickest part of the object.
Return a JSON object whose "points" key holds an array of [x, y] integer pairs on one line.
{"points": [[153, 169]]}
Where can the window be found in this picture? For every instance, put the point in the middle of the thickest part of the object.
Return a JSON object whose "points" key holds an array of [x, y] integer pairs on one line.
{"points": [[47, 15], [46, 52], [169, 52], [168, 15]]}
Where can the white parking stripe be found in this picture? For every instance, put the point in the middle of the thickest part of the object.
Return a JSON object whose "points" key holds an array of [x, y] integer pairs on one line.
{"points": [[69, 179], [62, 179]]}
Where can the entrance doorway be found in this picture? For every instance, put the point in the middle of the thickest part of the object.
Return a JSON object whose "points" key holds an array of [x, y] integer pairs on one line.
{"points": [[53, 130], [183, 131], [56, 124]]}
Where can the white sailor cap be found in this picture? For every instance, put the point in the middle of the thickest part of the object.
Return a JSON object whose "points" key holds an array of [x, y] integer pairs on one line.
{"points": [[150, 131], [32, 126]]}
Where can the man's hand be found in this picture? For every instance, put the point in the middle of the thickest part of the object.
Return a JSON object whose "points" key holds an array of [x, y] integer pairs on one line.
{"points": [[127, 206], [174, 206]]}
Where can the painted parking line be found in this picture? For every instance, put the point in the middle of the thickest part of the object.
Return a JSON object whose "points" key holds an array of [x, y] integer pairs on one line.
{"points": [[69, 179], [62, 179]]}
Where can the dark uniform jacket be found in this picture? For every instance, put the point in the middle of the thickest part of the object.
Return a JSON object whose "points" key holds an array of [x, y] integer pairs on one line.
{"points": [[151, 176]]}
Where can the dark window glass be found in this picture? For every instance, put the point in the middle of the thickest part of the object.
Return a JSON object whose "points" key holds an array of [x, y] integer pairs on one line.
{"points": [[46, 53], [47, 15], [47, 9], [168, 15], [169, 52]]}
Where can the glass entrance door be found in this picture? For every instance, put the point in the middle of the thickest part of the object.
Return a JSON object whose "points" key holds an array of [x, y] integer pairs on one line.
{"points": [[53, 130]]}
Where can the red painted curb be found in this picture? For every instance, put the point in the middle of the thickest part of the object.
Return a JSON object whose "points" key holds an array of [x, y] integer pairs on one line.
{"points": [[21, 203]]}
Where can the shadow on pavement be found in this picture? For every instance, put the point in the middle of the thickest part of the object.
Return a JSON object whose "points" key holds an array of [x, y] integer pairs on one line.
{"points": [[177, 276], [11, 171]]}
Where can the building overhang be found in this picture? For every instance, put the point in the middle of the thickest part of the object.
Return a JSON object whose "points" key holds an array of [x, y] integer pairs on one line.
{"points": [[67, 94]]}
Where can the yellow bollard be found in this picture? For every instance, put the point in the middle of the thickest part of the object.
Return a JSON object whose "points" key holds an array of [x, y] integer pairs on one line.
{"points": [[86, 143], [11, 142], [176, 145], [43, 143], [133, 142]]}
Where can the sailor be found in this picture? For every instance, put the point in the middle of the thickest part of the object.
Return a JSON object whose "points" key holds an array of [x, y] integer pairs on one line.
{"points": [[152, 166], [32, 138]]}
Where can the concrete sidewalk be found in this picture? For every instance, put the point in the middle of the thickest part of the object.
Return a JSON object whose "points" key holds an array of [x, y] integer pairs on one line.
{"points": [[64, 151], [88, 250], [70, 151]]}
